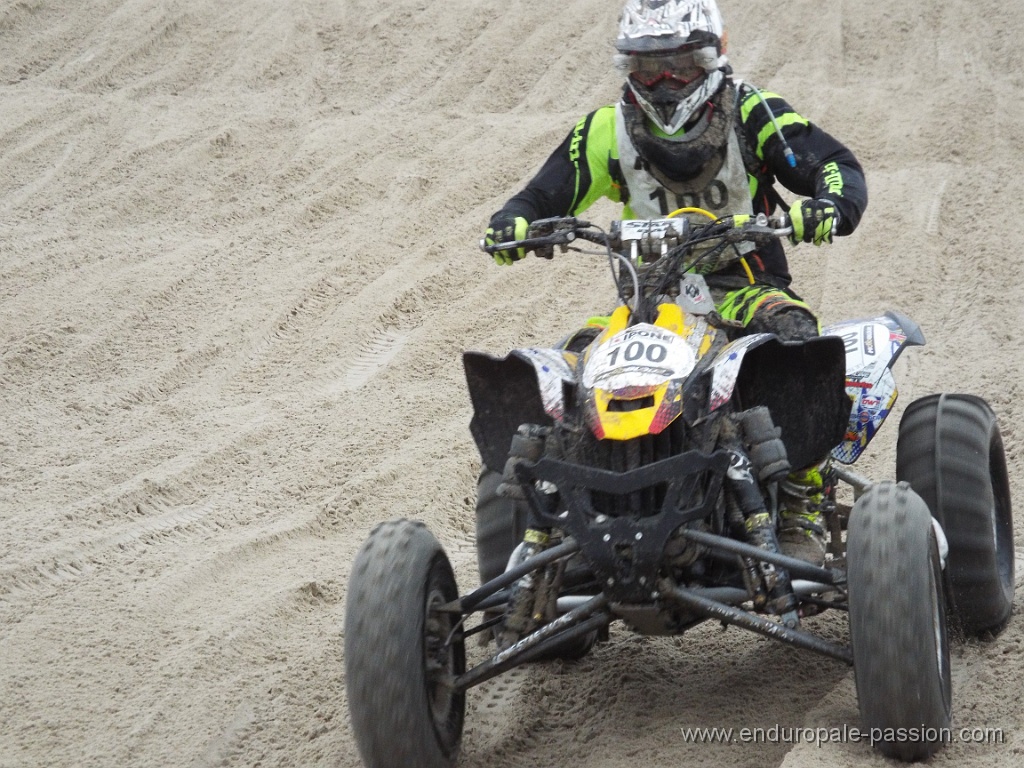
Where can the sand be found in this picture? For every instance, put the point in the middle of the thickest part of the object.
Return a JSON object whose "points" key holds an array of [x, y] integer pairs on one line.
{"points": [[238, 268]]}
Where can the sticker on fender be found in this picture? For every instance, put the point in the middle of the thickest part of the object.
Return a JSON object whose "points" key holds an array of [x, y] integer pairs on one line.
{"points": [[643, 355]]}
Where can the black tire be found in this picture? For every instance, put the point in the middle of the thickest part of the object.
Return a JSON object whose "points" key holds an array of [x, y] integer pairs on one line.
{"points": [[396, 662], [500, 525], [951, 453], [898, 623]]}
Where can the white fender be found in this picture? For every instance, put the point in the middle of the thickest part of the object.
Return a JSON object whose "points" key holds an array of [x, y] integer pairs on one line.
{"points": [[872, 347]]}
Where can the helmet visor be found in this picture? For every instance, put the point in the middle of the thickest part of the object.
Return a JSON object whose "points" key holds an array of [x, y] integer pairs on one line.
{"points": [[684, 65]]}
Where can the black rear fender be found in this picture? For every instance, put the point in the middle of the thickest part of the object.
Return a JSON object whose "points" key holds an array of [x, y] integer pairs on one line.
{"points": [[803, 385], [529, 386]]}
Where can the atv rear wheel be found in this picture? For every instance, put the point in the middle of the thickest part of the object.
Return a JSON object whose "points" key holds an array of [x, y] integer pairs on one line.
{"points": [[399, 663], [951, 453], [898, 622], [500, 525]]}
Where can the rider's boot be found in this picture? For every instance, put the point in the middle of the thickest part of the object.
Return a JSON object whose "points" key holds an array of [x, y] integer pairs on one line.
{"points": [[801, 522]]}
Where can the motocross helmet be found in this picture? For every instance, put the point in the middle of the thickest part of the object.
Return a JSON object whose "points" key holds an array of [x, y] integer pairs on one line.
{"points": [[671, 53]]}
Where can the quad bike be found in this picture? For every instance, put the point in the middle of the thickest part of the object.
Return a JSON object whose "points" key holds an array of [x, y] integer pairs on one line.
{"points": [[632, 473]]}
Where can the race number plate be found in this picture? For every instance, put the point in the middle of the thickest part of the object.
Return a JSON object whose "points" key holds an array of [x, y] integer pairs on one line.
{"points": [[653, 229], [641, 356]]}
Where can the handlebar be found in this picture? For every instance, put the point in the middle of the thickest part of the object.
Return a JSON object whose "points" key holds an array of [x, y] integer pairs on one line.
{"points": [[546, 234], [650, 258]]}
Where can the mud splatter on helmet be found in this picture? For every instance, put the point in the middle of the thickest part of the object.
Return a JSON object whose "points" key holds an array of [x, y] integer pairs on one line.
{"points": [[671, 53]]}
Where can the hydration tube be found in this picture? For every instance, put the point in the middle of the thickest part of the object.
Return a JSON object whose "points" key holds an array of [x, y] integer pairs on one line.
{"points": [[790, 157]]}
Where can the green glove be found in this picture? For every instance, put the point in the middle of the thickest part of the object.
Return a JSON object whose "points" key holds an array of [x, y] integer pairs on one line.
{"points": [[814, 221], [504, 229]]}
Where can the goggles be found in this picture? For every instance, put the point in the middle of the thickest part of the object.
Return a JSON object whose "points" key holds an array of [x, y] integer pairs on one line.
{"points": [[685, 65]]}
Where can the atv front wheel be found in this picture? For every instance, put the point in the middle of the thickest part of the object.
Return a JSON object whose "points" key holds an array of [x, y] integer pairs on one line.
{"points": [[401, 653], [898, 622], [951, 453]]}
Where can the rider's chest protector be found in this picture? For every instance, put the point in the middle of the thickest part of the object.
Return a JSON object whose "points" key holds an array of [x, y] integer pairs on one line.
{"points": [[725, 193]]}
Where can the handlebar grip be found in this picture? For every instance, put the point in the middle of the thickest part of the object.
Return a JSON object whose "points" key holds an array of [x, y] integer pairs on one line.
{"points": [[530, 243]]}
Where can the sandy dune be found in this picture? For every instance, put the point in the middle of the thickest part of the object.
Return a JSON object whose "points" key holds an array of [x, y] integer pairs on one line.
{"points": [[237, 270]]}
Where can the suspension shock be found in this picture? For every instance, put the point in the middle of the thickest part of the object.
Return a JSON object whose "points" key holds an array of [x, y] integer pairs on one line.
{"points": [[760, 532]]}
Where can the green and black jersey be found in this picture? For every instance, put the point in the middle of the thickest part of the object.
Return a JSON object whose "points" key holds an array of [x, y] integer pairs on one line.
{"points": [[599, 159]]}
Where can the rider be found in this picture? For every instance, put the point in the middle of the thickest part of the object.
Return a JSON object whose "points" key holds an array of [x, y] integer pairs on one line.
{"points": [[686, 133]]}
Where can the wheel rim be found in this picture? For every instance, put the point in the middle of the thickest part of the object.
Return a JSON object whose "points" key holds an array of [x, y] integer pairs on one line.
{"points": [[1002, 525], [939, 625], [443, 661]]}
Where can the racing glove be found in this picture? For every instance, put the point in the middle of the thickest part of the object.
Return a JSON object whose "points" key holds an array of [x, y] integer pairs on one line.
{"points": [[504, 228], [814, 221]]}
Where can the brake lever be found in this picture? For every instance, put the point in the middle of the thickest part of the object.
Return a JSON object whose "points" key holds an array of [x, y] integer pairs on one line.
{"points": [[556, 224], [761, 230]]}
